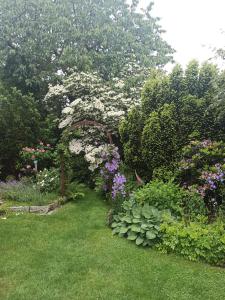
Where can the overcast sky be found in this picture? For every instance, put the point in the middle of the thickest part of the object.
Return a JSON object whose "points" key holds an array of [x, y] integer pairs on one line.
{"points": [[193, 26]]}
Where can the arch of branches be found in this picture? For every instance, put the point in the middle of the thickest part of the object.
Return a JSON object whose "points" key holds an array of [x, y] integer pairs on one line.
{"points": [[77, 125]]}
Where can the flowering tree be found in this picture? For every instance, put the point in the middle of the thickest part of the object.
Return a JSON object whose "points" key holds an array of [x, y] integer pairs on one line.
{"points": [[86, 99]]}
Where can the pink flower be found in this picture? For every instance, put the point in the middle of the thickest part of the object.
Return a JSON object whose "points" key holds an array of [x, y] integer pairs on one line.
{"points": [[48, 145], [28, 166]]}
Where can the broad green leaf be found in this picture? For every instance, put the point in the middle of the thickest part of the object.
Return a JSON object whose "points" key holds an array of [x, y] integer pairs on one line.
{"points": [[132, 236], [150, 235], [139, 241], [135, 228], [114, 224], [124, 229]]}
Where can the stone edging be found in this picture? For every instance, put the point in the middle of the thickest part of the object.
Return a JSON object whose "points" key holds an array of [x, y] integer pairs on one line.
{"points": [[36, 209]]}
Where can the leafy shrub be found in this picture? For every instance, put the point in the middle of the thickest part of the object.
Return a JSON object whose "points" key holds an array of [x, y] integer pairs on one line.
{"points": [[139, 223], [43, 154], [48, 180], [25, 192], [197, 241], [130, 130], [75, 191], [160, 140], [170, 196], [203, 168]]}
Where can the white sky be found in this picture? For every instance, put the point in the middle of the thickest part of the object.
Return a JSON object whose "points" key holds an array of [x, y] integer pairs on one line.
{"points": [[193, 26]]}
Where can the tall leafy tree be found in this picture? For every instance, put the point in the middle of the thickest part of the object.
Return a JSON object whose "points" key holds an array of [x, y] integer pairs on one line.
{"points": [[40, 37], [191, 77]]}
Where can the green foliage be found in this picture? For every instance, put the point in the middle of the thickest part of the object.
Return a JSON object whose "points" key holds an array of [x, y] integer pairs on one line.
{"points": [[48, 180], [168, 195], [155, 92], [97, 35], [197, 241], [139, 223], [160, 139], [19, 126], [175, 109], [191, 118], [191, 78], [130, 134], [75, 191], [79, 171]]}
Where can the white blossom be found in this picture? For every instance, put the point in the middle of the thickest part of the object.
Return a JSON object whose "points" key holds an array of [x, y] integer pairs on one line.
{"points": [[66, 122], [91, 98], [76, 146]]}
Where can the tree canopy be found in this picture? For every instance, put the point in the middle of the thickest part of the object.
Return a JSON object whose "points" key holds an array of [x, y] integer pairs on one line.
{"points": [[40, 37]]}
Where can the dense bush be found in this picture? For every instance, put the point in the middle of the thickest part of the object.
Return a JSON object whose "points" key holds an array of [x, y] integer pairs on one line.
{"points": [[43, 154], [202, 168], [48, 180], [197, 241], [19, 127], [170, 196], [130, 133], [160, 138], [139, 223]]}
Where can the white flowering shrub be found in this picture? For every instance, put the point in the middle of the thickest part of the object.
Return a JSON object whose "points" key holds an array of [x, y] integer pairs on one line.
{"points": [[48, 180], [85, 96]]}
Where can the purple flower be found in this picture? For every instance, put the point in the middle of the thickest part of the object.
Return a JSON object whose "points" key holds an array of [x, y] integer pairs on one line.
{"points": [[118, 187]]}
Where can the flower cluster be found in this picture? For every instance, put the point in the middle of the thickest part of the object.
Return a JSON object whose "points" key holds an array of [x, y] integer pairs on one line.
{"points": [[118, 188], [111, 160], [48, 180], [92, 153], [114, 182], [203, 169], [42, 153], [211, 180], [37, 152]]}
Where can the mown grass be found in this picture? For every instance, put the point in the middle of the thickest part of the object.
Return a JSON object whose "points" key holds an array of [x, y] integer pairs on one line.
{"points": [[73, 255]]}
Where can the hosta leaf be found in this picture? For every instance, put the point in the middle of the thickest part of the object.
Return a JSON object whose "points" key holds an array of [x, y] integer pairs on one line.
{"points": [[114, 224], [132, 236], [126, 219], [136, 212], [116, 218], [116, 230], [157, 227], [145, 226], [136, 220], [139, 241], [150, 235], [135, 228], [124, 229], [146, 211]]}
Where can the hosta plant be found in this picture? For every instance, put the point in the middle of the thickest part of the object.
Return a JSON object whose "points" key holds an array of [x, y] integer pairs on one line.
{"points": [[139, 223]]}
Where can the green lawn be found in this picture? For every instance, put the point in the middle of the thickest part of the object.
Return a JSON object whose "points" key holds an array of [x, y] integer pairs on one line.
{"points": [[73, 255]]}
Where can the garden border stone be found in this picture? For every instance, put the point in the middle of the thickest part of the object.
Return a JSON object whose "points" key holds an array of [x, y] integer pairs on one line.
{"points": [[42, 209]]}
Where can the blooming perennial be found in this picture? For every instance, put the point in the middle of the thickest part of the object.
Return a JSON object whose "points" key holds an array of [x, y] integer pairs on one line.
{"points": [[118, 188]]}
